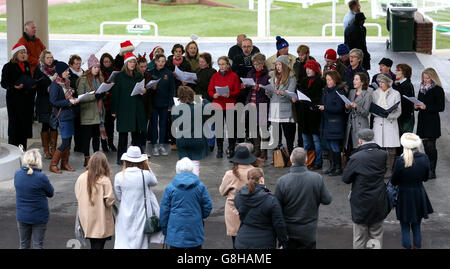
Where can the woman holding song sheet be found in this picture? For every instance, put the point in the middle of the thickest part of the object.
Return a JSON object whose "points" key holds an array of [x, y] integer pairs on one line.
{"points": [[385, 126], [224, 87], [128, 110], [92, 111]]}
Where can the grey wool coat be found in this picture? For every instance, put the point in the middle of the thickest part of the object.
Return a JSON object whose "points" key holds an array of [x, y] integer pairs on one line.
{"points": [[281, 105], [359, 117]]}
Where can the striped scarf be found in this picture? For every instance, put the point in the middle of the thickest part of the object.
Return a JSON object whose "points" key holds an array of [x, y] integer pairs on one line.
{"points": [[424, 88], [65, 85]]}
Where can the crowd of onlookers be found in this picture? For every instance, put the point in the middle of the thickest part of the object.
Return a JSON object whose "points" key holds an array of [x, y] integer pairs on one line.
{"points": [[363, 127]]}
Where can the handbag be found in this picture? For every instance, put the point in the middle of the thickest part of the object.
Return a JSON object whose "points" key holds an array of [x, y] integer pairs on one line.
{"points": [[281, 157], [392, 192], [151, 225], [54, 123]]}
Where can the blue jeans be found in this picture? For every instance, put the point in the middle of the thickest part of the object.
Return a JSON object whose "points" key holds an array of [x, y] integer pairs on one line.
{"points": [[312, 142], [417, 234], [27, 231], [332, 145], [159, 118]]}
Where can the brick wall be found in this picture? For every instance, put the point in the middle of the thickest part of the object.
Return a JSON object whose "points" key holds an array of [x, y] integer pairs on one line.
{"points": [[423, 34]]}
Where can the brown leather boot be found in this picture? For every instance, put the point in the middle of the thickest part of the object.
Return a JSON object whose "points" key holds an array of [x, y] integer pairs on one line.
{"points": [[86, 161], [45, 139], [53, 140], [311, 156], [54, 163], [65, 160]]}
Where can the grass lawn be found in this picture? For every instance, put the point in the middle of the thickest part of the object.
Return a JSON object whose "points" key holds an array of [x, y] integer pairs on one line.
{"points": [[287, 19]]}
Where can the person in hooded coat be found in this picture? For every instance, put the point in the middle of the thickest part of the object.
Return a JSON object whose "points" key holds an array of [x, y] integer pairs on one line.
{"points": [[184, 205], [261, 216], [355, 37]]}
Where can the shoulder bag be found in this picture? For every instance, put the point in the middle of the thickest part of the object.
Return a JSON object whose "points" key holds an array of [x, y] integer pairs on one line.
{"points": [[151, 223]]}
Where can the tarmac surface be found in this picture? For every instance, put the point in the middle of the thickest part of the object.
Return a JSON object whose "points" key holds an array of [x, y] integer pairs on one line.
{"points": [[335, 225]]}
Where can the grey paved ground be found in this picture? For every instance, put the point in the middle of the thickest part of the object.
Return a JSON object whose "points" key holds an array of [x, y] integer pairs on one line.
{"points": [[335, 226]]}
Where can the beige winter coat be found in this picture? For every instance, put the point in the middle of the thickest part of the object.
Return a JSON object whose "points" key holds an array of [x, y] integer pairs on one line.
{"points": [[230, 185], [97, 220]]}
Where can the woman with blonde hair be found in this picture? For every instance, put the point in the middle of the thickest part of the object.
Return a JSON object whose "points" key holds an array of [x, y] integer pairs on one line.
{"points": [[95, 196], [191, 55], [432, 96], [233, 180], [280, 111], [132, 187], [411, 169], [32, 190]]}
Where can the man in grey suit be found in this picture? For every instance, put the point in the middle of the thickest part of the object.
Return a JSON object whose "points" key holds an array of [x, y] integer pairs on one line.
{"points": [[300, 193]]}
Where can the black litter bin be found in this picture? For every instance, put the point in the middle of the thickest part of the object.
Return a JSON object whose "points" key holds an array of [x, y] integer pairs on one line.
{"points": [[400, 24]]}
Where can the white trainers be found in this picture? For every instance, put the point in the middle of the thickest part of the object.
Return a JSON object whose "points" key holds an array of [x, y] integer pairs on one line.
{"points": [[155, 151], [163, 150]]}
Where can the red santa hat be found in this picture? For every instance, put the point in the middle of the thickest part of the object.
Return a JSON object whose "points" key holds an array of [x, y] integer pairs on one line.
{"points": [[152, 54], [17, 48], [126, 47], [128, 56]]}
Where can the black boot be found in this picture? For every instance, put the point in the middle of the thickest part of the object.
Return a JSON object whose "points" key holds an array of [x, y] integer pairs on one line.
{"points": [[104, 145], [432, 155], [338, 165], [332, 166], [111, 145], [219, 154]]}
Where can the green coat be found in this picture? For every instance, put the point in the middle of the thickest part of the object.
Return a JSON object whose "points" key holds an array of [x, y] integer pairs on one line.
{"points": [[129, 109], [88, 107]]}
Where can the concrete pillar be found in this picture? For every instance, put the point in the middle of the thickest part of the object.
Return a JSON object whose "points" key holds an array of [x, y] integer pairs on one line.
{"points": [[20, 11]]}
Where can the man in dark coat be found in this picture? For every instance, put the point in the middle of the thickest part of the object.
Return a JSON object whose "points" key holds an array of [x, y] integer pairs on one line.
{"points": [[355, 37], [237, 49], [369, 200], [300, 193]]}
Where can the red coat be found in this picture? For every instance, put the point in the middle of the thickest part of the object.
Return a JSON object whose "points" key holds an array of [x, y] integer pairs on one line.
{"points": [[34, 49], [232, 81]]}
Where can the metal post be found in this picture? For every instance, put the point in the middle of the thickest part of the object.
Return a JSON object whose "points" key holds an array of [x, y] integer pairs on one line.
{"points": [[268, 2], [333, 20], [251, 4], [139, 9], [261, 18]]}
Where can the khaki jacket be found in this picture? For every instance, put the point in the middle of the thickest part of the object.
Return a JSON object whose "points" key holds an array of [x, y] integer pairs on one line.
{"points": [[97, 221], [229, 187]]}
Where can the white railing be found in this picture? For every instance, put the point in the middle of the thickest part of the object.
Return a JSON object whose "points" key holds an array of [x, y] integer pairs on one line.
{"points": [[341, 24], [128, 23], [307, 3], [2, 19], [437, 5]]}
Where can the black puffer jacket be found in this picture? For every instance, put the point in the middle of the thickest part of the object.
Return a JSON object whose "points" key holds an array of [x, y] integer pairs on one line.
{"points": [[261, 218], [369, 200]]}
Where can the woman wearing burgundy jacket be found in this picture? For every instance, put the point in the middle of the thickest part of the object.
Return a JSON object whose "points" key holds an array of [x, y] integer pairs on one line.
{"points": [[225, 77], [257, 98]]}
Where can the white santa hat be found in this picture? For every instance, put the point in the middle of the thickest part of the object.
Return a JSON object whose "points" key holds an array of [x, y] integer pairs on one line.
{"points": [[128, 56], [410, 141], [17, 48], [126, 46]]}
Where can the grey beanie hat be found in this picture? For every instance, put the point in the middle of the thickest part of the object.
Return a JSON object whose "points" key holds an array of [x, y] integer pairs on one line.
{"points": [[284, 59], [366, 135], [385, 78]]}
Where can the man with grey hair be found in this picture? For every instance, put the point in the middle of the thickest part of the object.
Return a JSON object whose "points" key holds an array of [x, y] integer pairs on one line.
{"points": [[369, 200], [33, 44], [300, 193], [236, 50]]}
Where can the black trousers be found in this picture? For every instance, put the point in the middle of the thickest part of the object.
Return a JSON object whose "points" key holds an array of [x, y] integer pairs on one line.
{"points": [[109, 127], [289, 129], [429, 146], [88, 133], [137, 139], [232, 137], [98, 243], [18, 140]]}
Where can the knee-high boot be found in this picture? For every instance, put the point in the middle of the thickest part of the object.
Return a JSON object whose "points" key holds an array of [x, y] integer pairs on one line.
{"points": [[331, 159], [65, 160], [45, 139]]}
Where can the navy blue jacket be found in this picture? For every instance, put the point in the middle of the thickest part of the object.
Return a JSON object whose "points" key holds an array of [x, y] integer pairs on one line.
{"points": [[350, 75], [165, 89], [413, 203], [184, 205], [333, 116], [31, 196], [58, 100]]}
